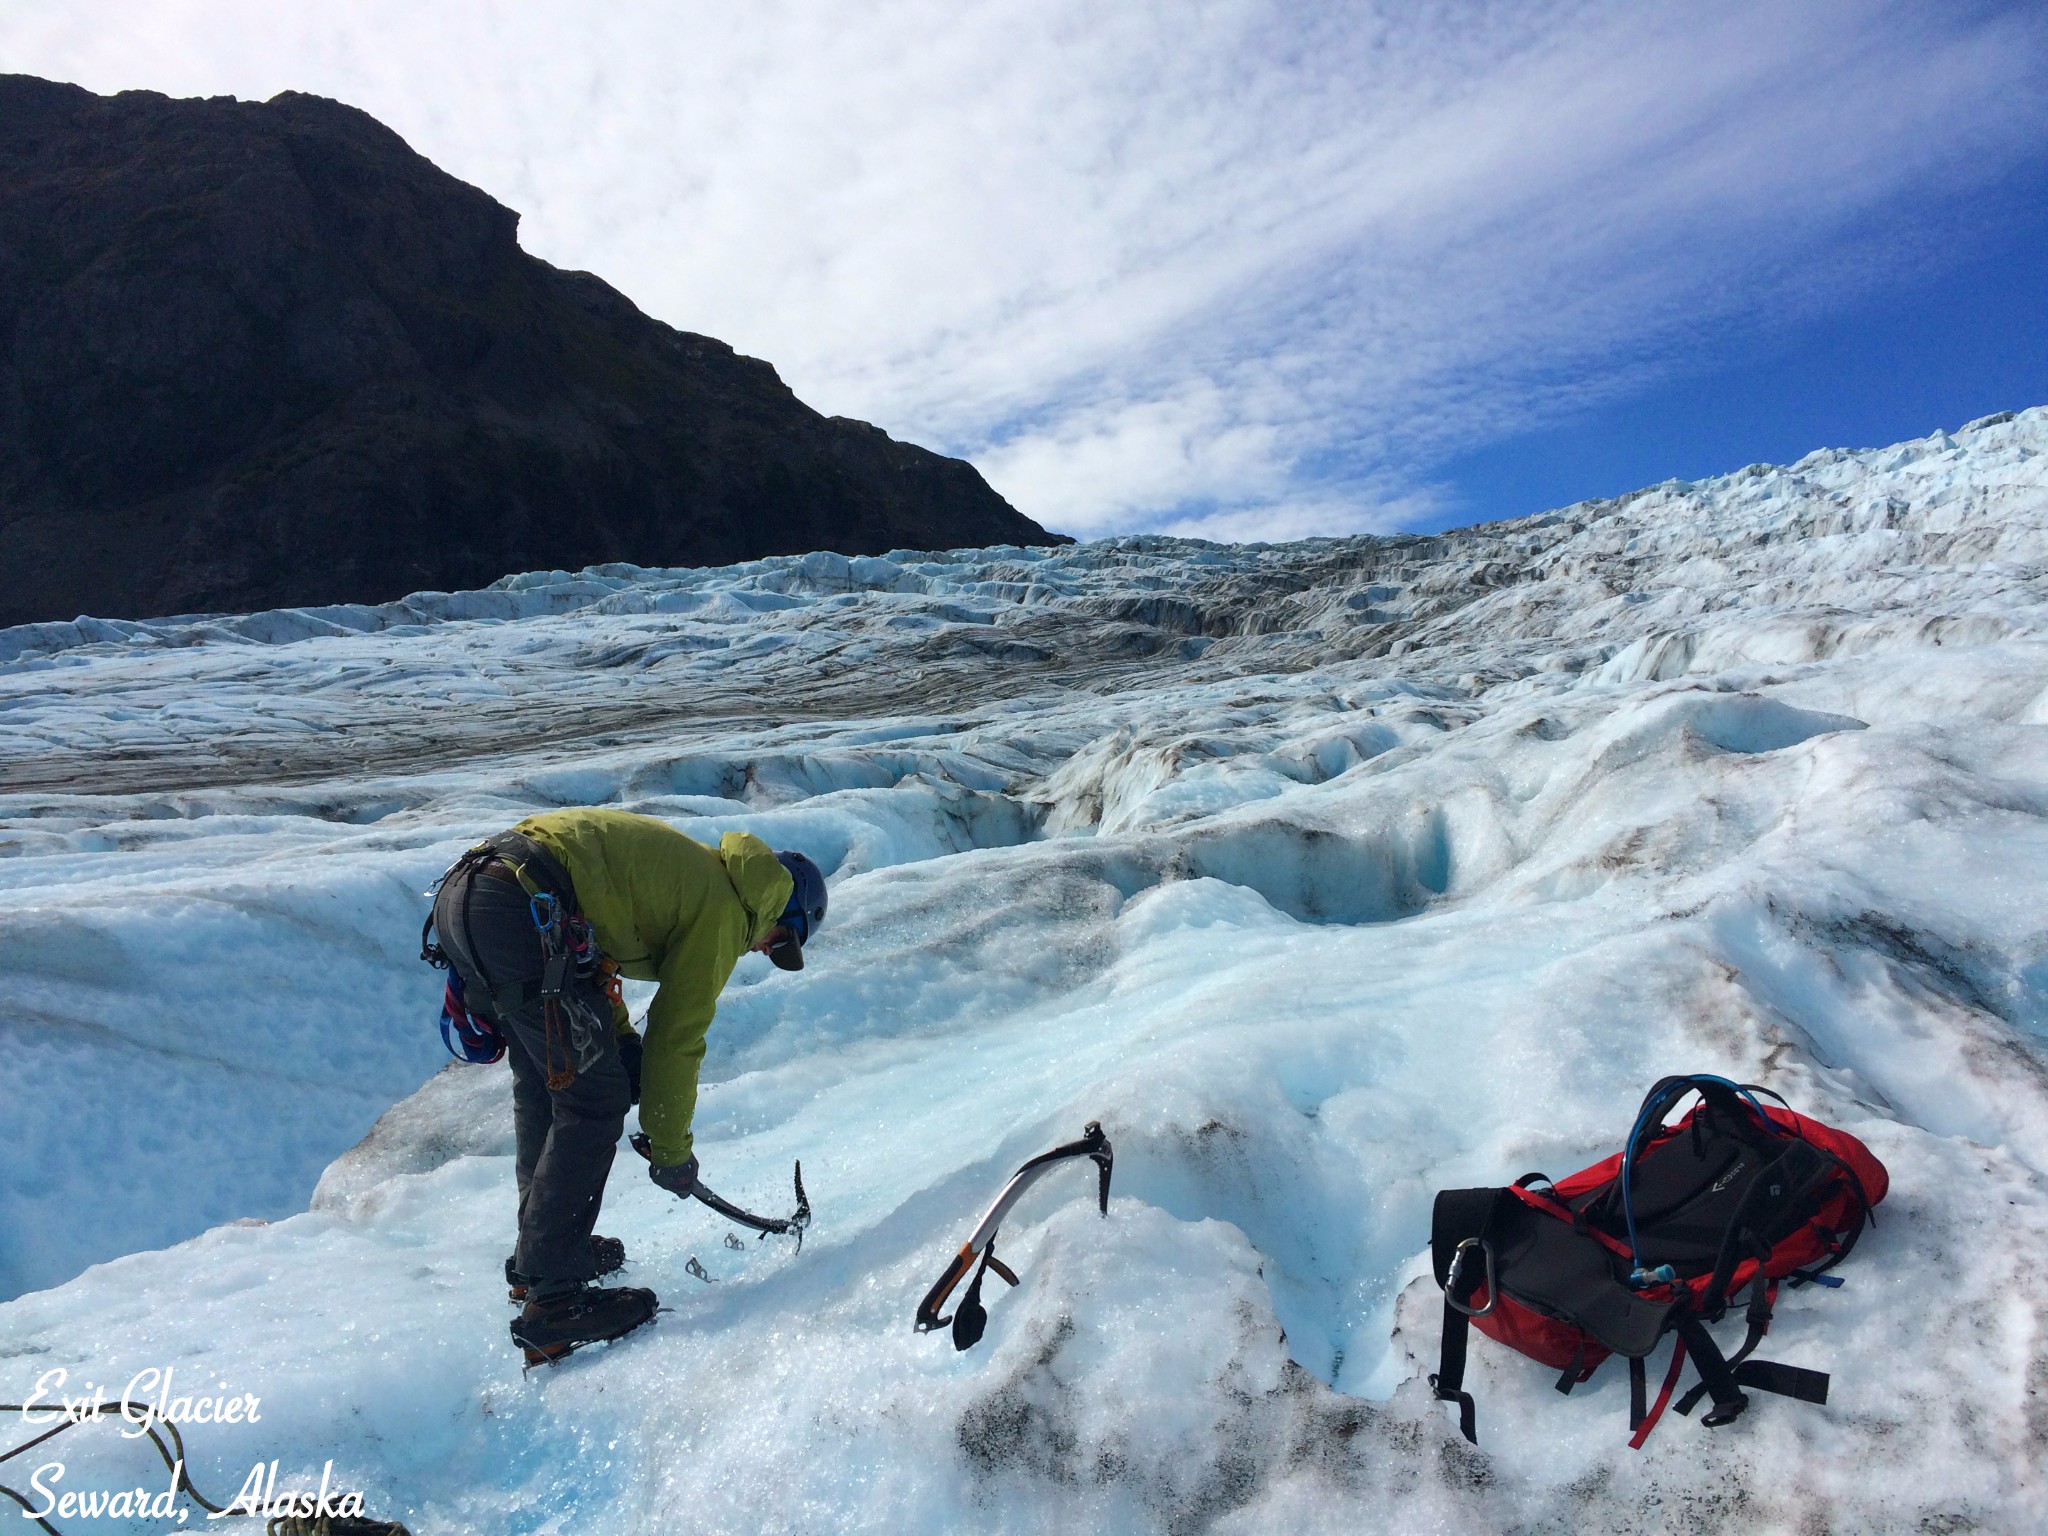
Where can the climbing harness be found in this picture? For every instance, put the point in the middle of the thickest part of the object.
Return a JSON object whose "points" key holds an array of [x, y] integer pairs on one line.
{"points": [[971, 1318], [793, 1225], [569, 952], [1659, 1238], [174, 1458]]}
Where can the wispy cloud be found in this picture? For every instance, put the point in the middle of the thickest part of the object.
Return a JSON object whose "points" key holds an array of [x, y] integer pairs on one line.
{"points": [[1240, 267]]}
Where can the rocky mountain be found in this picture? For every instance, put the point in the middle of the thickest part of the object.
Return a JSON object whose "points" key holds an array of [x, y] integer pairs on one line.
{"points": [[256, 354]]}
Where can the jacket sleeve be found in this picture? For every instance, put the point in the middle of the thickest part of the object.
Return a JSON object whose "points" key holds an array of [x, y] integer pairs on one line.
{"points": [[693, 973]]}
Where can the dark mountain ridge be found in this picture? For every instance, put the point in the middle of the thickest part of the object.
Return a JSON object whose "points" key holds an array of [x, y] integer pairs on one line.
{"points": [[262, 354]]}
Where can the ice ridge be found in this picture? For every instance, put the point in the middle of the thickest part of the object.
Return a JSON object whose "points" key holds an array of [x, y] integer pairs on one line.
{"points": [[1325, 875]]}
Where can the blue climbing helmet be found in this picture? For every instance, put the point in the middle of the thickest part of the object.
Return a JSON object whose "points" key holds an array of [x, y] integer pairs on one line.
{"points": [[805, 911]]}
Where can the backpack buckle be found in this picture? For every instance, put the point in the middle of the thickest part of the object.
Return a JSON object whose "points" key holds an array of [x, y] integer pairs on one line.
{"points": [[1452, 1287]]}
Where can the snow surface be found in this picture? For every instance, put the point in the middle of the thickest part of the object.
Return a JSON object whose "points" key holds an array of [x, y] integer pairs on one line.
{"points": [[1324, 875]]}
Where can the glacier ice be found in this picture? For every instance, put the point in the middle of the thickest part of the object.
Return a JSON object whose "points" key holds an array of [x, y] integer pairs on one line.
{"points": [[1325, 875]]}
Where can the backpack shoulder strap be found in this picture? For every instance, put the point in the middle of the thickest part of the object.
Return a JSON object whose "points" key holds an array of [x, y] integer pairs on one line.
{"points": [[1728, 1100], [1460, 1229], [539, 872]]}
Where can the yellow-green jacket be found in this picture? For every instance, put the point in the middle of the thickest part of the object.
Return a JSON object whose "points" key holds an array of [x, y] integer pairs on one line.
{"points": [[670, 910]]}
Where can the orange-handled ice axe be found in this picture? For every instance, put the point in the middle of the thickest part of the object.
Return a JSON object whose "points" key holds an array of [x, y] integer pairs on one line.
{"points": [[971, 1318]]}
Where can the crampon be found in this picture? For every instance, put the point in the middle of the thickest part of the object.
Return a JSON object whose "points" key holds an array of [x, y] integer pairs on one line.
{"points": [[551, 1331]]}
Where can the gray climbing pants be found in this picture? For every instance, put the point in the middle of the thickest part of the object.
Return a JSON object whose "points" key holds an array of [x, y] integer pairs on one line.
{"points": [[567, 1135]]}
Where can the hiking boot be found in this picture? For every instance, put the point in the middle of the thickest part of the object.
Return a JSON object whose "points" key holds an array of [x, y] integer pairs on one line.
{"points": [[607, 1253], [553, 1329]]}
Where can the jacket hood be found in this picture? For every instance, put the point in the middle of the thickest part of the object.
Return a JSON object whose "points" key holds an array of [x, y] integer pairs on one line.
{"points": [[758, 877]]}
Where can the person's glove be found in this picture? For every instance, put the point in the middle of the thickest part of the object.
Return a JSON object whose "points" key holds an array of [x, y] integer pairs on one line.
{"points": [[630, 1048], [679, 1179]]}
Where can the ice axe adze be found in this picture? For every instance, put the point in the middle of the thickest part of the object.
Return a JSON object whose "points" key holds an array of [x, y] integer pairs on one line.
{"points": [[972, 1317], [778, 1226]]}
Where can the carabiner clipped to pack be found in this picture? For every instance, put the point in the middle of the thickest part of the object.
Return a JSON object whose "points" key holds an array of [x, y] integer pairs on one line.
{"points": [[1454, 1285]]}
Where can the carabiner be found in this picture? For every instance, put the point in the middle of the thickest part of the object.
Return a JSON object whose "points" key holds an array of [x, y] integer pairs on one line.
{"points": [[533, 906], [1458, 1263]]}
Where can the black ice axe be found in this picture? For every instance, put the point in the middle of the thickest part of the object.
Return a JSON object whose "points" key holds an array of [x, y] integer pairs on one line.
{"points": [[792, 1225], [972, 1317]]}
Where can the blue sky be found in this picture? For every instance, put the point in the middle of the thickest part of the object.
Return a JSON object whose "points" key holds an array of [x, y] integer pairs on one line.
{"points": [[1957, 333], [1241, 268]]}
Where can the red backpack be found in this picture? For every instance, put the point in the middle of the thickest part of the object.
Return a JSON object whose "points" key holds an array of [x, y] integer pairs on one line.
{"points": [[1657, 1239]]}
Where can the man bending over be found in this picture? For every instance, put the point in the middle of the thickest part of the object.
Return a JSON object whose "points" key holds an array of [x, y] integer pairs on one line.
{"points": [[536, 923]]}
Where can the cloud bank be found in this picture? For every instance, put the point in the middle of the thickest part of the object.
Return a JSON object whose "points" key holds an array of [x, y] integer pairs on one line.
{"points": [[1242, 268]]}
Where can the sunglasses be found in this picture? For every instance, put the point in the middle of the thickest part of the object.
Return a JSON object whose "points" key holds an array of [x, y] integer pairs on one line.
{"points": [[787, 950]]}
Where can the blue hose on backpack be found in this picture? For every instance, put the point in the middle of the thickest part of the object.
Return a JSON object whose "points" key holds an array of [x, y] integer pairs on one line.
{"points": [[1660, 1099]]}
